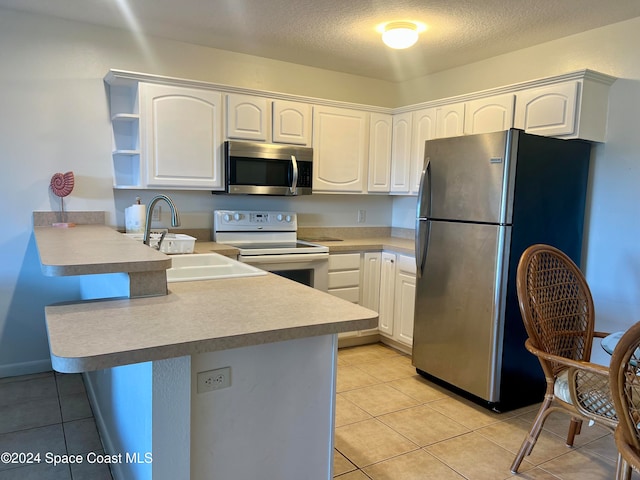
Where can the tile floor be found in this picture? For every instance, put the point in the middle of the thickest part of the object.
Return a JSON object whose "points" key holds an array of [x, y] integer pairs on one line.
{"points": [[48, 414], [391, 424]]}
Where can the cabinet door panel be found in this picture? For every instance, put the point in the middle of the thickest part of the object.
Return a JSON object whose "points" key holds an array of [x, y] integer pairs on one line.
{"points": [[291, 122], [424, 128], [371, 280], [405, 295], [450, 120], [181, 137], [380, 152], [491, 114], [548, 110], [341, 140], [401, 153], [247, 117], [387, 293]]}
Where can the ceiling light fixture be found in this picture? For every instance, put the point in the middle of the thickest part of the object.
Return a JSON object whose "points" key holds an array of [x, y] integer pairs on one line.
{"points": [[401, 35]]}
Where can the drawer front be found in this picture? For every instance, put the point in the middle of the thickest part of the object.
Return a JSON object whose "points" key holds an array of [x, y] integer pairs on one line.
{"points": [[349, 278], [351, 294], [344, 261]]}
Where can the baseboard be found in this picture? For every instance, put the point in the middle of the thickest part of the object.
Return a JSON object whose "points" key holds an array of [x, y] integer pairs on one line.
{"points": [[25, 368], [396, 345], [357, 340], [107, 443]]}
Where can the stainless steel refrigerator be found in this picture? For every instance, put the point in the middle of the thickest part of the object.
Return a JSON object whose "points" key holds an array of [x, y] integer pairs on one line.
{"points": [[483, 200]]}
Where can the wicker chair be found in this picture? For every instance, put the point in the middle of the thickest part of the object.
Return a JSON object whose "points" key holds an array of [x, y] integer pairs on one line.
{"points": [[558, 314], [625, 387]]}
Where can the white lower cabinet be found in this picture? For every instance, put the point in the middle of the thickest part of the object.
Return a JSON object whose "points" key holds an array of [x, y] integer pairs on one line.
{"points": [[404, 301], [397, 298], [384, 282], [370, 285]]}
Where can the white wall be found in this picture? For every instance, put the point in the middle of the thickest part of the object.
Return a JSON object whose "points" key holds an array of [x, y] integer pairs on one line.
{"points": [[611, 256], [54, 118]]}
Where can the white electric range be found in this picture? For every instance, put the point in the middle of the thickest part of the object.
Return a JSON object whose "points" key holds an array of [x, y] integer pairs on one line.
{"points": [[268, 240]]}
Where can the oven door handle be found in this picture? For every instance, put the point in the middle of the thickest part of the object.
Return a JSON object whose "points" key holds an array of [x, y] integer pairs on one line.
{"points": [[285, 258], [293, 189]]}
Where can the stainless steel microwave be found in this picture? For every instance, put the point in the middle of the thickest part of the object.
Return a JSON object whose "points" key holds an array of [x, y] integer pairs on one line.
{"points": [[266, 169]]}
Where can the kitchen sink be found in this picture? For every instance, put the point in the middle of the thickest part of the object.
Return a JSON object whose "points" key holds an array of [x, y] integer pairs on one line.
{"points": [[208, 266]]}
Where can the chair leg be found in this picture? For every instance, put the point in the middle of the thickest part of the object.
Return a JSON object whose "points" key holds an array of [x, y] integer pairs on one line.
{"points": [[574, 429], [531, 437], [623, 469]]}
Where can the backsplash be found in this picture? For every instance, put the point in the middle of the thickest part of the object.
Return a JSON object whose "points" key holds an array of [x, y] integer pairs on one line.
{"points": [[46, 219], [342, 233]]}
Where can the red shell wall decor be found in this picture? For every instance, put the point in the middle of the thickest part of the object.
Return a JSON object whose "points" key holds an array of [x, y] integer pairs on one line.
{"points": [[62, 183]]}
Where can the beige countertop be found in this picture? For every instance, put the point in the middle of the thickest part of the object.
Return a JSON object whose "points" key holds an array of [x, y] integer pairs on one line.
{"points": [[195, 317], [363, 244], [91, 249], [395, 244]]}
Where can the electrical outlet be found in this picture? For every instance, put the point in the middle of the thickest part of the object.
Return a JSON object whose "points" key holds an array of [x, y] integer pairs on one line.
{"points": [[214, 379], [156, 215], [362, 216]]}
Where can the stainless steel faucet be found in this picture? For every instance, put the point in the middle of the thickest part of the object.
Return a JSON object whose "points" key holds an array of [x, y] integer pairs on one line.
{"points": [[175, 217]]}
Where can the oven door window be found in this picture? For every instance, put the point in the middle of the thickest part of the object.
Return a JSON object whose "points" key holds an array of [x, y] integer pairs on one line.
{"points": [[261, 172], [301, 276]]}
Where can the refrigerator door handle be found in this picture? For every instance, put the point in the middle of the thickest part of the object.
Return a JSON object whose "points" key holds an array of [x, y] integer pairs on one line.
{"points": [[423, 232], [423, 210], [424, 193]]}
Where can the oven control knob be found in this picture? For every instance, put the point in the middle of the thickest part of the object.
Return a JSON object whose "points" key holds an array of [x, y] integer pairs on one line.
{"points": [[227, 217], [279, 217], [288, 218], [237, 216]]}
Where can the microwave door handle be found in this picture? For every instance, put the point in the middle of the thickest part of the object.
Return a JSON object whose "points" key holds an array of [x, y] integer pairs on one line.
{"points": [[293, 189]]}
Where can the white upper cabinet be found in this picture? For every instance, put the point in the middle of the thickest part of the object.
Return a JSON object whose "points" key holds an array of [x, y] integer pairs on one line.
{"points": [[292, 122], [549, 111], [168, 133], [380, 138], [340, 149], [401, 153], [261, 119], [491, 114], [181, 137], [411, 131], [450, 120], [247, 117], [424, 128]]}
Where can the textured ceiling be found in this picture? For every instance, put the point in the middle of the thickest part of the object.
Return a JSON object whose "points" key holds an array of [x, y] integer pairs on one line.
{"points": [[341, 34]]}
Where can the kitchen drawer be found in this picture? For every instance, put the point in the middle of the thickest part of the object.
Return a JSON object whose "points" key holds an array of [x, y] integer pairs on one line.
{"points": [[348, 278], [344, 261], [351, 294]]}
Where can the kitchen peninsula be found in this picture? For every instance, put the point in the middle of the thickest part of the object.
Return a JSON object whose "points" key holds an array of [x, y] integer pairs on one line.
{"points": [[141, 356]]}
